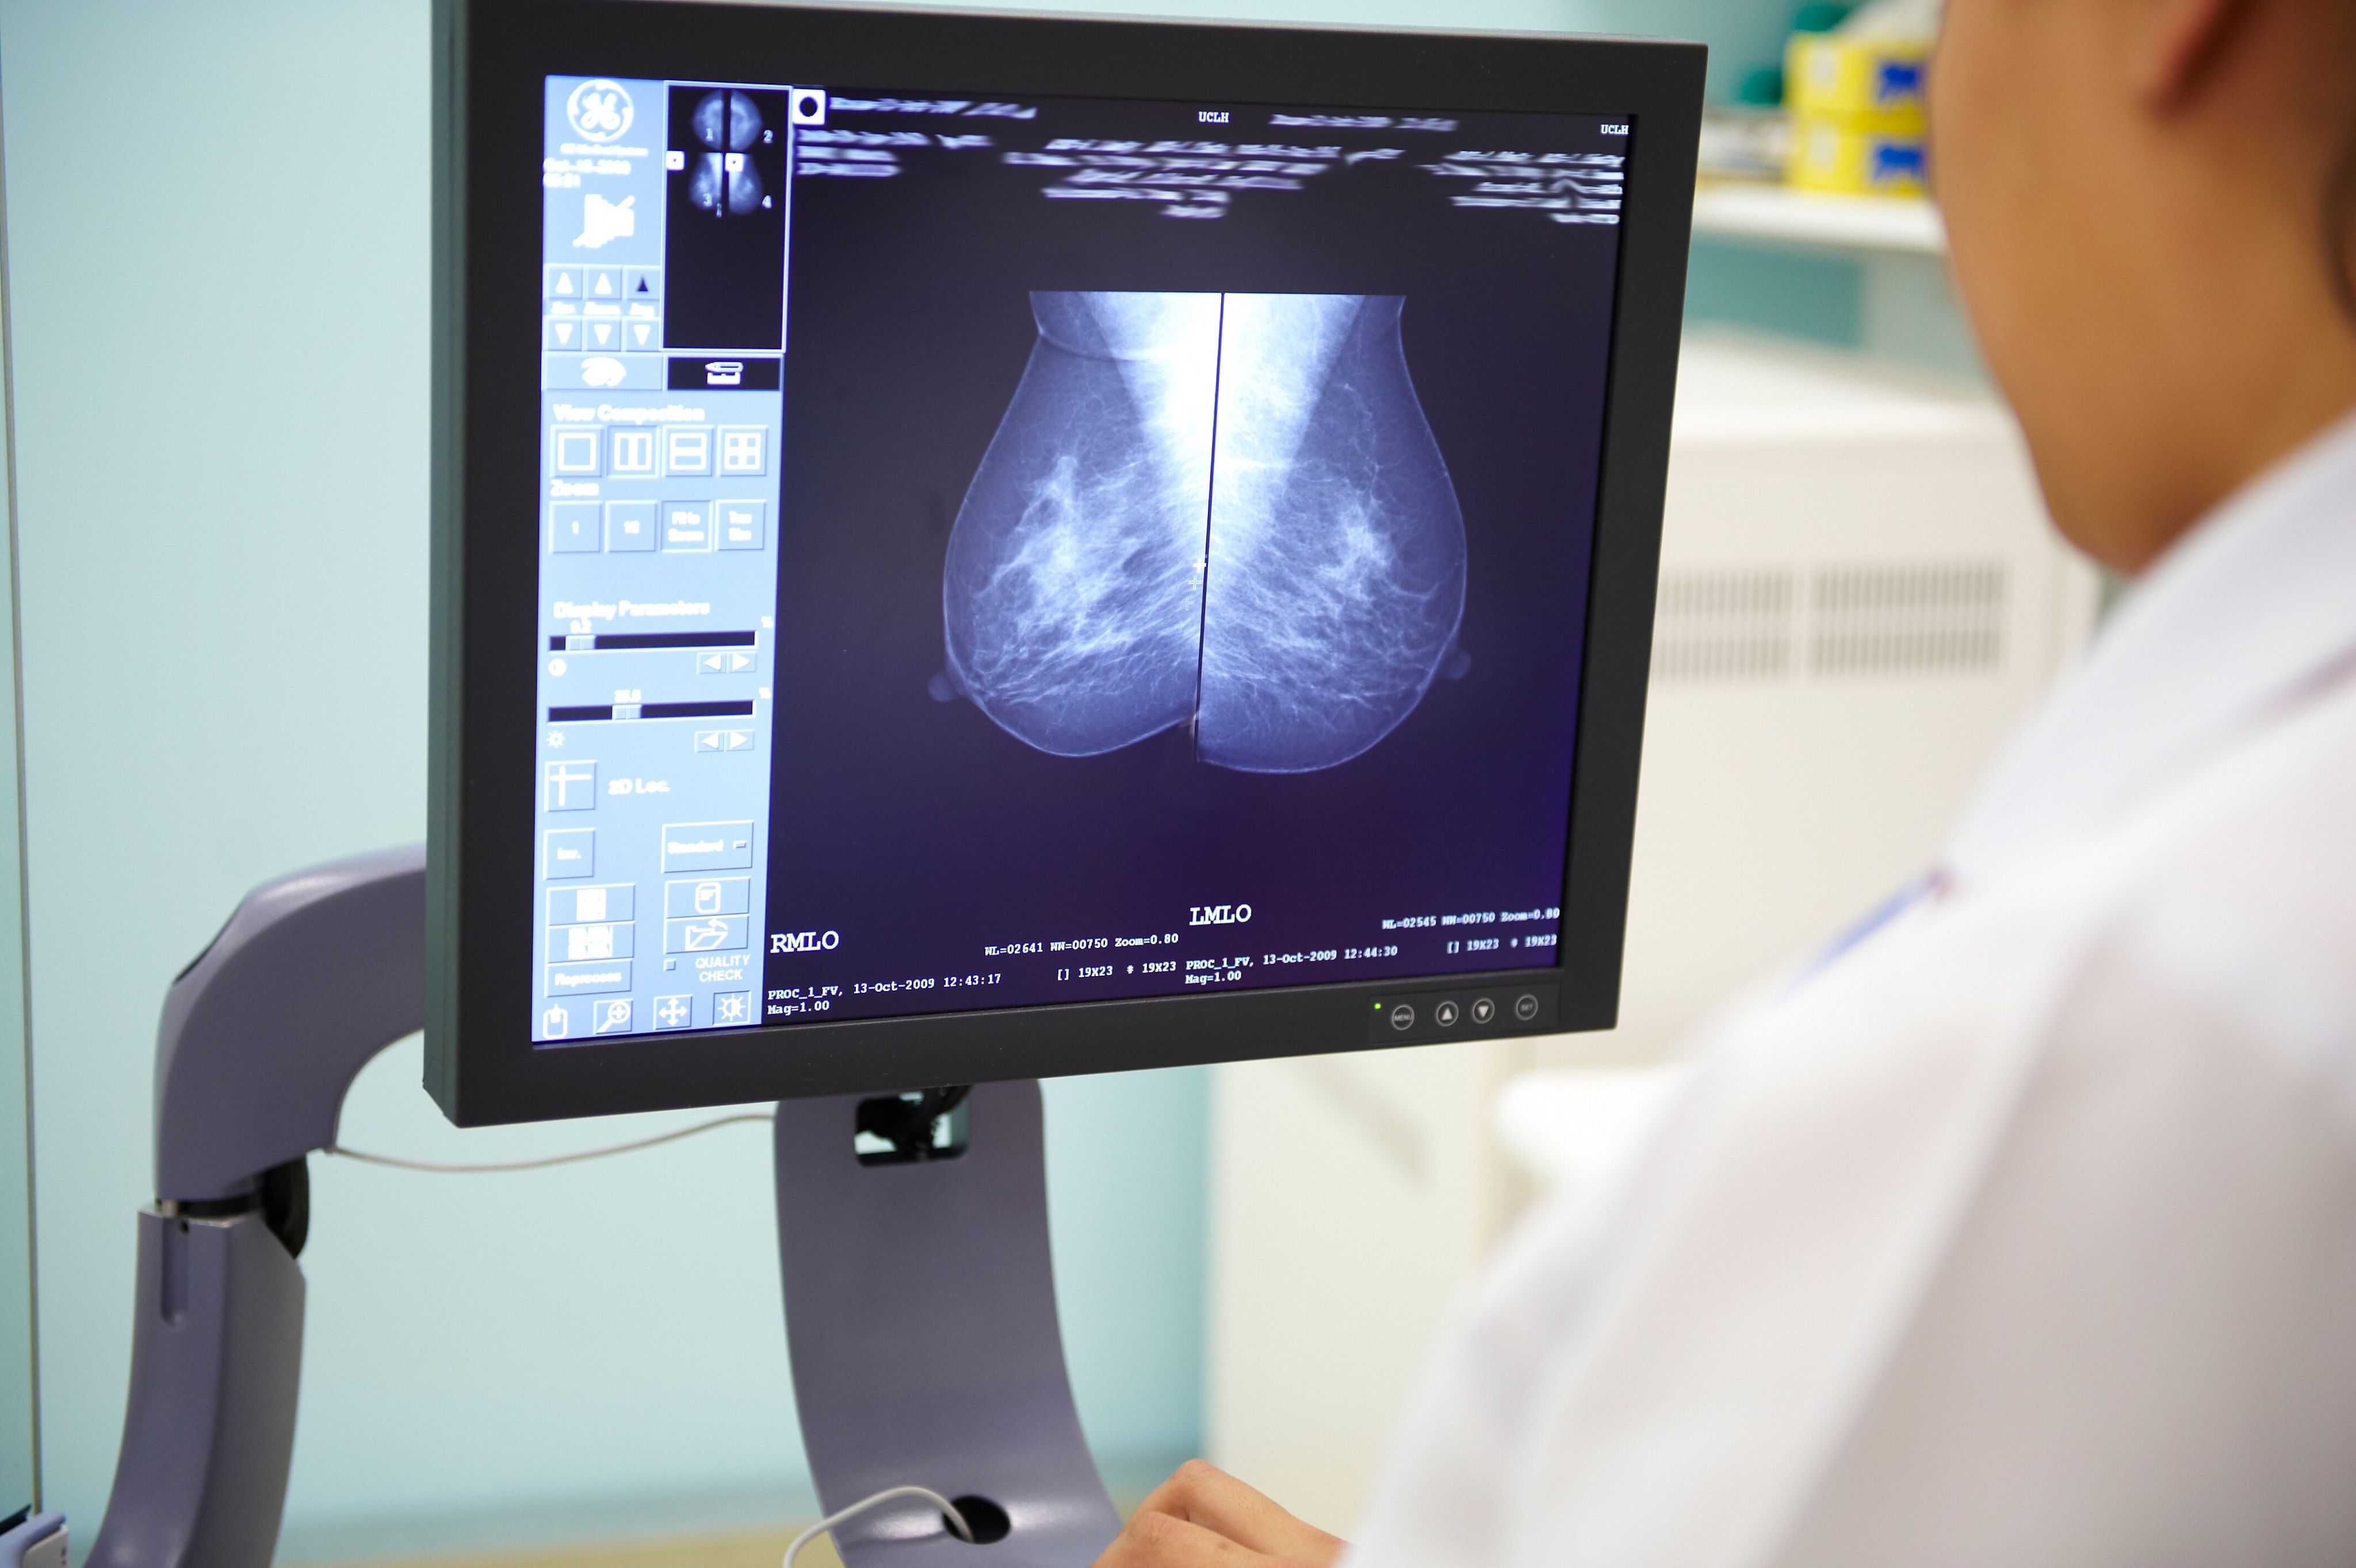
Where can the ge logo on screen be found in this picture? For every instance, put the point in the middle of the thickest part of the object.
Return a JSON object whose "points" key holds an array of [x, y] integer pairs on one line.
{"points": [[599, 109]]}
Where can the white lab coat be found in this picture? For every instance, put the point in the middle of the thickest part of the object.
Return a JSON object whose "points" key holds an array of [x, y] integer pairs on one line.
{"points": [[2023, 1231]]}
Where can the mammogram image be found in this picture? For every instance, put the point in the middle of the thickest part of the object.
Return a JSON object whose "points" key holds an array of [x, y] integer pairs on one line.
{"points": [[1217, 508], [723, 181]]}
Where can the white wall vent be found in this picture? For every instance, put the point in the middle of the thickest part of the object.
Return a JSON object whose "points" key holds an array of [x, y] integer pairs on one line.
{"points": [[1725, 625], [1914, 617]]}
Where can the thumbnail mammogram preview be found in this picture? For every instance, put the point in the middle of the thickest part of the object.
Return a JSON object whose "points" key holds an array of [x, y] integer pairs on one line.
{"points": [[1226, 509]]}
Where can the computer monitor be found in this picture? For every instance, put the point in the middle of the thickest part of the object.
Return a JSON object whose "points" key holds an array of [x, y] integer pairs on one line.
{"points": [[971, 547]]}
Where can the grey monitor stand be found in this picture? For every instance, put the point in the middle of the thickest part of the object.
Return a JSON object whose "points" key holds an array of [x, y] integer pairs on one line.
{"points": [[920, 1311]]}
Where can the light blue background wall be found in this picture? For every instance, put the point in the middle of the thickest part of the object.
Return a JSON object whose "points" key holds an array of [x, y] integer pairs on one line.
{"points": [[218, 221], [19, 1432]]}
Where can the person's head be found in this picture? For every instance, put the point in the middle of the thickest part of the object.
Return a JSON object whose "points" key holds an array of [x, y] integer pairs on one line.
{"points": [[2151, 208]]}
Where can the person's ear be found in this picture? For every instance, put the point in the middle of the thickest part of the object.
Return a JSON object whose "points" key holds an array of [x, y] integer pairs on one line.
{"points": [[2182, 44]]}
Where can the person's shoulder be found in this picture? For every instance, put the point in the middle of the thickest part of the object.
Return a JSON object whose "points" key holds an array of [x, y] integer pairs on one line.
{"points": [[2229, 915], [2237, 889], [2221, 901], [2265, 831], [2166, 1159], [2071, 1080]]}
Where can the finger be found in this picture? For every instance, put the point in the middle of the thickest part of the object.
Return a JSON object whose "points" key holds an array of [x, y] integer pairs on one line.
{"points": [[1159, 1539], [1203, 1494]]}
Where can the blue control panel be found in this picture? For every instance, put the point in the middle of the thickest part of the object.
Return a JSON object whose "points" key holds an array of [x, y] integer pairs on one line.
{"points": [[660, 420]]}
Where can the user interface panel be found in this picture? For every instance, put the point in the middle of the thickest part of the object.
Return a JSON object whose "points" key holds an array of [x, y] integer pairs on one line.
{"points": [[999, 551]]}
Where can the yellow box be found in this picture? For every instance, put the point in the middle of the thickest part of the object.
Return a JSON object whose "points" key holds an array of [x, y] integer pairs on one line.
{"points": [[1857, 155], [1834, 73]]}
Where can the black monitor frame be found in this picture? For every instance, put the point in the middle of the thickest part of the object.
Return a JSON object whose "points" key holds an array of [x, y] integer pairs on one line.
{"points": [[490, 59]]}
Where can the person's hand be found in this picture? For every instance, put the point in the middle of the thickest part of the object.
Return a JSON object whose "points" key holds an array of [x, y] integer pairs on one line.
{"points": [[1204, 1518]]}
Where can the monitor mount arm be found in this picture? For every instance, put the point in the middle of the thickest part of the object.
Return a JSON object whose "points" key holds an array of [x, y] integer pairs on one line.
{"points": [[314, 975], [920, 1312], [921, 1309]]}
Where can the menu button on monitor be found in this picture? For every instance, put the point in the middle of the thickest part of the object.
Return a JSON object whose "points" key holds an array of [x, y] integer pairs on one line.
{"points": [[575, 979], [572, 851], [707, 846]]}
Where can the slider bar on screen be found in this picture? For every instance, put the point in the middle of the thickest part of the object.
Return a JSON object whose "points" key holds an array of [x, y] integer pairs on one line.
{"points": [[651, 711], [576, 643]]}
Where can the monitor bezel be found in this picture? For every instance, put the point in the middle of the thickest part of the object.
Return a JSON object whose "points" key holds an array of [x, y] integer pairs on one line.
{"points": [[491, 57]]}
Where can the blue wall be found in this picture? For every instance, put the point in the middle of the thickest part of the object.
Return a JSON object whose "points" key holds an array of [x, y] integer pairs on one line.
{"points": [[218, 216], [18, 1430]]}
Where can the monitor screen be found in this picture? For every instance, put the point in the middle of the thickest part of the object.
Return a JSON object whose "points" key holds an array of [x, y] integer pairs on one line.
{"points": [[972, 546], [1004, 550]]}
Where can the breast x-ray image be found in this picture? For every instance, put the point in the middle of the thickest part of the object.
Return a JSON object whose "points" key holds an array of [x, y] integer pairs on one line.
{"points": [[1226, 509], [723, 181], [724, 229], [1125, 564]]}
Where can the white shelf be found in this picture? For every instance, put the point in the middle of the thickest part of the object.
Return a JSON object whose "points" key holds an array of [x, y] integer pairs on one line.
{"points": [[1905, 225]]}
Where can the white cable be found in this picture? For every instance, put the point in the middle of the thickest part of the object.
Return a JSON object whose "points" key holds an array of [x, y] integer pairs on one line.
{"points": [[955, 1520], [401, 1163]]}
